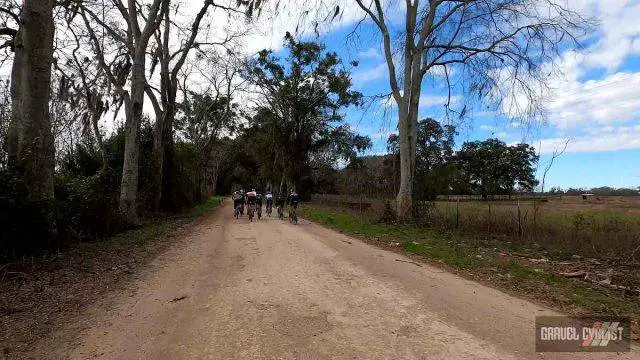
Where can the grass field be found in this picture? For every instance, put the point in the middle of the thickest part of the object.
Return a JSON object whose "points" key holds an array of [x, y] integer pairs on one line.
{"points": [[603, 228]]}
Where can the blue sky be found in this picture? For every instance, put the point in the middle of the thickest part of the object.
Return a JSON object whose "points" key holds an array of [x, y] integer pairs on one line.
{"points": [[595, 103]]}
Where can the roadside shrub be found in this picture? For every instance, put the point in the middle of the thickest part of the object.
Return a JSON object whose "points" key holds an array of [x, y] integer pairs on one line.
{"points": [[88, 207], [388, 214], [87, 192], [186, 179], [22, 227]]}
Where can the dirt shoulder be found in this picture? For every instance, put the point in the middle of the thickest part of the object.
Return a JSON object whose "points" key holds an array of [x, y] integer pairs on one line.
{"points": [[41, 297], [559, 285]]}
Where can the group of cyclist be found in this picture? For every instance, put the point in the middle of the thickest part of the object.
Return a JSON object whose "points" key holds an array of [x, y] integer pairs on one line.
{"points": [[253, 202]]}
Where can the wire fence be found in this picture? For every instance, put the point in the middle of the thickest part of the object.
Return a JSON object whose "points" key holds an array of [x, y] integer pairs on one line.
{"points": [[559, 226]]}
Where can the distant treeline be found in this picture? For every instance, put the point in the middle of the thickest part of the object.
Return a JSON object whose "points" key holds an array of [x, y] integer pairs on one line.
{"points": [[483, 168], [600, 191]]}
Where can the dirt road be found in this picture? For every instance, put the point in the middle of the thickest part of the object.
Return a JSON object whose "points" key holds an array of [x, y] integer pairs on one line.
{"points": [[272, 290]]}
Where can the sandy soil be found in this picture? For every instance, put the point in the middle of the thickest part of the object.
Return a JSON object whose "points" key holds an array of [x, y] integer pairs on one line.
{"points": [[272, 290]]}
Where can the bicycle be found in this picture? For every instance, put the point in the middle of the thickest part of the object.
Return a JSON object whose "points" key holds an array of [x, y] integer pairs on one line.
{"points": [[238, 211], [259, 212], [293, 216], [251, 211], [280, 212], [269, 209]]}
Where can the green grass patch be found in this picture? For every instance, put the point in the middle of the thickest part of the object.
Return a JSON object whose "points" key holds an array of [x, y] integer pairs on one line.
{"points": [[516, 269], [204, 208], [456, 256]]}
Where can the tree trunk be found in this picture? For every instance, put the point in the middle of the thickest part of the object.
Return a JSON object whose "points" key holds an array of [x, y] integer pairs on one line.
{"points": [[281, 190], [204, 193], [36, 154], [129, 185], [159, 157], [162, 183], [14, 136], [408, 134], [404, 201], [214, 179], [31, 147], [96, 107], [95, 118], [168, 168]]}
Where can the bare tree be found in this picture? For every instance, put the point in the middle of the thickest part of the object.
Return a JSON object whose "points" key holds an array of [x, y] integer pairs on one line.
{"points": [[171, 62], [211, 114], [556, 154], [82, 87], [12, 14], [133, 43], [499, 48], [30, 143], [9, 23]]}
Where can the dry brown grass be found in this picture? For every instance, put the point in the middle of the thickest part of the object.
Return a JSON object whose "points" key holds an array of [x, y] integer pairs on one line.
{"points": [[602, 227], [622, 204]]}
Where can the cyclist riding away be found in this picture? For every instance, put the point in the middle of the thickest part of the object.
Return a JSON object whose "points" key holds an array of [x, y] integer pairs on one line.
{"points": [[237, 203], [269, 198], [251, 203], [280, 206], [293, 202], [259, 204]]}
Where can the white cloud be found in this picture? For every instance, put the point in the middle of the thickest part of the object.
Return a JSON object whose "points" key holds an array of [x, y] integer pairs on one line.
{"points": [[619, 27], [371, 53], [595, 140], [613, 99], [383, 134], [299, 16], [438, 71], [377, 72], [485, 113], [501, 135], [515, 124], [427, 101]]}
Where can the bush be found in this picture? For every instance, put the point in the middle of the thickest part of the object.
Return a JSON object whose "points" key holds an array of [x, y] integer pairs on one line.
{"points": [[22, 227], [88, 207], [87, 193]]}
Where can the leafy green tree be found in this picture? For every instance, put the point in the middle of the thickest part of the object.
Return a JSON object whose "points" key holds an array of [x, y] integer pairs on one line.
{"points": [[556, 190], [434, 152], [204, 121], [299, 121], [492, 167]]}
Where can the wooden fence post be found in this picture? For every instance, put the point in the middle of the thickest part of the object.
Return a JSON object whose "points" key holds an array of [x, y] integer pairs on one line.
{"points": [[519, 221], [458, 213]]}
